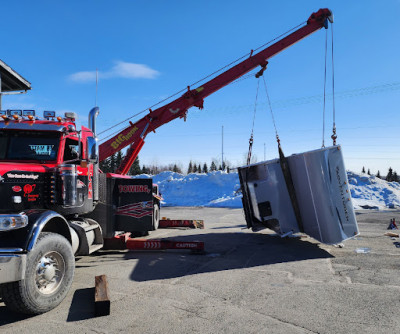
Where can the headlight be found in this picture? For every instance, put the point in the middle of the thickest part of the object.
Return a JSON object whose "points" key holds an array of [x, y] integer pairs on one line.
{"points": [[12, 222]]}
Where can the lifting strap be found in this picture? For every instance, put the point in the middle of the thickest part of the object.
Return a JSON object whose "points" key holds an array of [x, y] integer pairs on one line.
{"points": [[252, 128], [284, 163], [290, 187]]}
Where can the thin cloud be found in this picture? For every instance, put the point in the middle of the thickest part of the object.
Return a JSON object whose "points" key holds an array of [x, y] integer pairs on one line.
{"points": [[84, 76], [121, 69]]}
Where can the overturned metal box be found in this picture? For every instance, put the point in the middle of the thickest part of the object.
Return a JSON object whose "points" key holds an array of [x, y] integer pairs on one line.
{"points": [[323, 208]]}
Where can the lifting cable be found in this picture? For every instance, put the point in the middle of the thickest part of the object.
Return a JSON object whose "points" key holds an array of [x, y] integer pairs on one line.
{"points": [[323, 111], [195, 83], [272, 114], [284, 163], [334, 135], [252, 128]]}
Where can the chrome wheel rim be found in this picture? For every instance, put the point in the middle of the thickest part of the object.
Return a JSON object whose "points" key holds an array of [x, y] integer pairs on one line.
{"points": [[50, 271]]}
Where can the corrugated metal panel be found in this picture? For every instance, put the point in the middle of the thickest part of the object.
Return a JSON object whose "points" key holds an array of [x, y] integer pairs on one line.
{"points": [[11, 80]]}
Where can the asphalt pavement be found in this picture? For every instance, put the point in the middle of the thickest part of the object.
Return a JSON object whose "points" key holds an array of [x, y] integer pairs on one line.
{"points": [[244, 283]]}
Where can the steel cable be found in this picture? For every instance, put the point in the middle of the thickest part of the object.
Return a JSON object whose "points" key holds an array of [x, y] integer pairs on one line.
{"points": [[197, 82]]}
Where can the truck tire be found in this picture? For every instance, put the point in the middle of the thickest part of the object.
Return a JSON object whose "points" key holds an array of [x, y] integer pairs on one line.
{"points": [[156, 216], [48, 277]]}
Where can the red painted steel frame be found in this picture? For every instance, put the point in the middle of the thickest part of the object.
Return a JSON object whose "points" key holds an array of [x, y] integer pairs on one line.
{"points": [[124, 241], [134, 134], [144, 244]]}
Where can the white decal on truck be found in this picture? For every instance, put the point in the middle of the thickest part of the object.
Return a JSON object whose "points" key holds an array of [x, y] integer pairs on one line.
{"points": [[42, 149], [22, 176]]}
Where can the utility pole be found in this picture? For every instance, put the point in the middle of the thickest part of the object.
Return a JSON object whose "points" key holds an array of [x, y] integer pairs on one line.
{"points": [[0, 91], [222, 163], [264, 151]]}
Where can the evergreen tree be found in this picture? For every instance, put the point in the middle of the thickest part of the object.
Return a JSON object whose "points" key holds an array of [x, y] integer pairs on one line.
{"points": [[199, 169], [378, 175], [194, 168], [135, 168], [223, 165], [363, 170], [190, 168], [369, 173], [389, 176], [205, 168], [105, 165], [395, 177], [113, 165], [219, 167], [175, 169], [213, 167], [118, 159]]}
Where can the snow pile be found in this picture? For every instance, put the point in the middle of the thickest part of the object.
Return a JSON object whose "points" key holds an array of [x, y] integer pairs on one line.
{"points": [[214, 189], [219, 189], [370, 192]]}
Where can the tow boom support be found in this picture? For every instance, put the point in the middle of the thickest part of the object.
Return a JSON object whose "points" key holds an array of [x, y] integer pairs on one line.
{"points": [[135, 134]]}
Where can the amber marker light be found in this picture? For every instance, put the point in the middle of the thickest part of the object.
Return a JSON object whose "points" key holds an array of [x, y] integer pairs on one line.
{"points": [[59, 118], [31, 118], [4, 117], [15, 117]]}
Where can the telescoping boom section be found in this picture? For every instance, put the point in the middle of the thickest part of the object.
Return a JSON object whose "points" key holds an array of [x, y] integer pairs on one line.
{"points": [[135, 133]]}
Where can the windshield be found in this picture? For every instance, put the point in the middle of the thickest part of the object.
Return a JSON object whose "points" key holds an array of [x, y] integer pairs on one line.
{"points": [[29, 145]]}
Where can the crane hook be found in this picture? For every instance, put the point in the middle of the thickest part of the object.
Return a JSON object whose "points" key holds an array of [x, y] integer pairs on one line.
{"points": [[263, 68]]}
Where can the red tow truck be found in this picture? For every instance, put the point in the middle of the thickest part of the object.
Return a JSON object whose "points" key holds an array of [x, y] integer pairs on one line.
{"points": [[56, 203]]}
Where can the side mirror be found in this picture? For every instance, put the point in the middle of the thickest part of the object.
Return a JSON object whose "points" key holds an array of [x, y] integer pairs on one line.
{"points": [[92, 150]]}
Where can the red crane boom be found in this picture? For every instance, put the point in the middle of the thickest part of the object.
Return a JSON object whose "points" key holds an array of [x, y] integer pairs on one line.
{"points": [[135, 134]]}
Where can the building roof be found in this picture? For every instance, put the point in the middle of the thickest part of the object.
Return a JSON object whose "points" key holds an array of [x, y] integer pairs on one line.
{"points": [[11, 80]]}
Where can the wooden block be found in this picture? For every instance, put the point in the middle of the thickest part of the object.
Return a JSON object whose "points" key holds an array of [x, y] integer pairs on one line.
{"points": [[391, 234], [101, 296]]}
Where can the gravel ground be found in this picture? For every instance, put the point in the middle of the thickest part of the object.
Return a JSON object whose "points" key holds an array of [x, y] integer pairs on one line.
{"points": [[245, 283]]}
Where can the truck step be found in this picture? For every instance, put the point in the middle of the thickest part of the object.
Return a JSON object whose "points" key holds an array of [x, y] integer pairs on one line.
{"points": [[90, 235], [178, 223]]}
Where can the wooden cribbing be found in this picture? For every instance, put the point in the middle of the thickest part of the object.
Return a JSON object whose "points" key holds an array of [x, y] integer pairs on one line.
{"points": [[166, 223], [101, 296], [391, 234]]}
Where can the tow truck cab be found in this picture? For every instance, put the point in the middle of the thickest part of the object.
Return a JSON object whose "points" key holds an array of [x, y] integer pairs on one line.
{"points": [[50, 182], [44, 164]]}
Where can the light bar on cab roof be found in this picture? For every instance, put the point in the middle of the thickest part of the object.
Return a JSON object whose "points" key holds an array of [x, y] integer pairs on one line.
{"points": [[14, 112], [49, 114], [28, 113], [70, 114]]}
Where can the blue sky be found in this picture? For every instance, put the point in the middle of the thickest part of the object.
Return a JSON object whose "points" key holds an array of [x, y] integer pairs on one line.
{"points": [[148, 50]]}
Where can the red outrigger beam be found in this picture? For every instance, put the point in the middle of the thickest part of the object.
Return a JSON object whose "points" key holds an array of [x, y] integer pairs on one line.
{"points": [[166, 223], [149, 244], [124, 241]]}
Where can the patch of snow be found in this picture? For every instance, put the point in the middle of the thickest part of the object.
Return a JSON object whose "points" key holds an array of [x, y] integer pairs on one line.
{"points": [[370, 192], [220, 189]]}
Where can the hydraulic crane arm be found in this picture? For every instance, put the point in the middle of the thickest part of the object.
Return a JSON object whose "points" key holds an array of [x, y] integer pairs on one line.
{"points": [[135, 133]]}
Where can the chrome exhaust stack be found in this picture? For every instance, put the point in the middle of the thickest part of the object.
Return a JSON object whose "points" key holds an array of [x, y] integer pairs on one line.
{"points": [[92, 119]]}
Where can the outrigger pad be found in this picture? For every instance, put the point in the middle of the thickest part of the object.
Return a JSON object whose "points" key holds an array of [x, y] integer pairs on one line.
{"points": [[322, 191]]}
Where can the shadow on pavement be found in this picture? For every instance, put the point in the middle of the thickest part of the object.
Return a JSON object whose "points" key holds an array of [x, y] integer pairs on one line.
{"points": [[224, 251], [9, 317], [227, 227], [82, 306]]}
